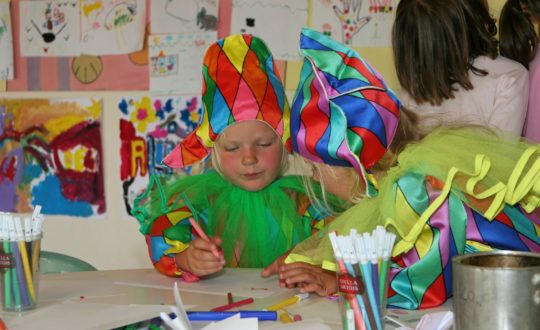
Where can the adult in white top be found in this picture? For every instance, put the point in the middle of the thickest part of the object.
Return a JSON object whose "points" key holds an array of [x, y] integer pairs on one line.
{"points": [[446, 58], [498, 99]]}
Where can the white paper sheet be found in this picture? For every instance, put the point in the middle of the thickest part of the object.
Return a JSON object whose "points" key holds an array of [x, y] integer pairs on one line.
{"points": [[277, 22], [73, 315], [6, 43], [174, 16], [112, 26], [234, 323], [50, 28], [370, 25], [175, 62], [219, 285]]}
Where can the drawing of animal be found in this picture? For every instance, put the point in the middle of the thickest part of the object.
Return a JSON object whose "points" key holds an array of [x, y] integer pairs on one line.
{"points": [[206, 22]]}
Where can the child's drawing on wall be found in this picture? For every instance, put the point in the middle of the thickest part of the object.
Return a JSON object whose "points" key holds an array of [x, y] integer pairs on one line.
{"points": [[49, 28], [356, 23], [176, 16], [51, 155], [149, 129]]}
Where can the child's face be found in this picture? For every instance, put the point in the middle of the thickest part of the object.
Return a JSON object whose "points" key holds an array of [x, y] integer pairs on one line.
{"points": [[250, 154]]}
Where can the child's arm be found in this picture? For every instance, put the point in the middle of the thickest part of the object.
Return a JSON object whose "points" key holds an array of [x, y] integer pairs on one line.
{"points": [[200, 257]]}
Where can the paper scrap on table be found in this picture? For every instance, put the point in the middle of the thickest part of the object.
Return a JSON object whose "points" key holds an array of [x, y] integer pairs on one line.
{"points": [[73, 315], [234, 323], [434, 321]]}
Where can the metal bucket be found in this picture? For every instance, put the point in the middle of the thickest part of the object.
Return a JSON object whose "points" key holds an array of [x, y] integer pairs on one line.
{"points": [[496, 290]]}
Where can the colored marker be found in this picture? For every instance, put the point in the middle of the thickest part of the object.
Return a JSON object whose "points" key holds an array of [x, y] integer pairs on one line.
{"points": [[292, 300], [202, 234], [218, 316], [233, 305]]}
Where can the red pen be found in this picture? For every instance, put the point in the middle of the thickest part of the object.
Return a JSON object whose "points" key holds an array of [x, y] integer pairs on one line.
{"points": [[233, 305]]}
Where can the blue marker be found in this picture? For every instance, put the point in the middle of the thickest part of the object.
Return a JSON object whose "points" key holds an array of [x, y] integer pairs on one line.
{"points": [[217, 316]]}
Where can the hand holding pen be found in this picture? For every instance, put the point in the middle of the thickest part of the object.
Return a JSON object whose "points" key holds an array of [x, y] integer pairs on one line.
{"points": [[202, 257]]}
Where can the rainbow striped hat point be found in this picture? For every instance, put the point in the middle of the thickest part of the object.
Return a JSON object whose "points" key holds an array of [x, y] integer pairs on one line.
{"points": [[240, 83], [343, 112]]}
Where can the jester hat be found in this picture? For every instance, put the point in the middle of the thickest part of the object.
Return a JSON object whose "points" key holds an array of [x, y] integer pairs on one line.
{"points": [[343, 112], [240, 83]]}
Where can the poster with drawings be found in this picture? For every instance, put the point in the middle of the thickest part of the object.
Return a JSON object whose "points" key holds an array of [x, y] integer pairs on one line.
{"points": [[173, 16], [113, 26], [50, 28], [6, 44], [357, 23], [150, 127], [176, 61], [277, 22]]}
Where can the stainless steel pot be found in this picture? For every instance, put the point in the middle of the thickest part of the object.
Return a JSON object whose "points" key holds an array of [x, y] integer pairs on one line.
{"points": [[496, 290]]}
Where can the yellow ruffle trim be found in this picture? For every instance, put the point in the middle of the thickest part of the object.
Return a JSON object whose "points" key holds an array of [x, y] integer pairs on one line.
{"points": [[521, 187]]}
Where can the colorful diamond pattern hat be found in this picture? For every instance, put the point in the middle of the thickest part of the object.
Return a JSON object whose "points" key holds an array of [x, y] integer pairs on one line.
{"points": [[343, 112], [240, 83]]}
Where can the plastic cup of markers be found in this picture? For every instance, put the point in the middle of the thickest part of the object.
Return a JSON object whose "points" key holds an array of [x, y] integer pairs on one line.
{"points": [[356, 307], [19, 274]]}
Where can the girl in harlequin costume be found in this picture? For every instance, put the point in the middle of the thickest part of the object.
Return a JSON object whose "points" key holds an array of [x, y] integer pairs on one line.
{"points": [[450, 192], [252, 213]]}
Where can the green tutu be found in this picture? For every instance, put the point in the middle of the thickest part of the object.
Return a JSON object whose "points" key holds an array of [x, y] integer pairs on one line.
{"points": [[255, 227]]}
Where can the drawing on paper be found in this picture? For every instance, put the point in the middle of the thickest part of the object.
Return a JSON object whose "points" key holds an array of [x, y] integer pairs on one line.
{"points": [[51, 155], [277, 22], [149, 129], [49, 28], [112, 26], [163, 65], [355, 22], [173, 16], [176, 61], [6, 45]]}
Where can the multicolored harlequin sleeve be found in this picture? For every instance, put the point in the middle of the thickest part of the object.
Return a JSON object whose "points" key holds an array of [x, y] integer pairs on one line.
{"points": [[422, 276], [164, 221], [169, 234]]}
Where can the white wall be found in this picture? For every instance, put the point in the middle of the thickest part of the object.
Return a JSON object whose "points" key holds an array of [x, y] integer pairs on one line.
{"points": [[111, 242]]}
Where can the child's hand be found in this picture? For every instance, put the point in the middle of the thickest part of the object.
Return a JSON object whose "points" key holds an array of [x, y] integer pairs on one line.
{"points": [[200, 258], [308, 278], [273, 268]]}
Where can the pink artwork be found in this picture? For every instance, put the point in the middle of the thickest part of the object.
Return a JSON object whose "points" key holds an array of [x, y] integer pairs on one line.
{"points": [[86, 72]]}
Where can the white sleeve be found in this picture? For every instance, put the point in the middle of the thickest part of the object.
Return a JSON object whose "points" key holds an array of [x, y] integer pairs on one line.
{"points": [[511, 100]]}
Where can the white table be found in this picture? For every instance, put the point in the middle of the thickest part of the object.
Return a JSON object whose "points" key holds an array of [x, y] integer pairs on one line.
{"points": [[107, 299]]}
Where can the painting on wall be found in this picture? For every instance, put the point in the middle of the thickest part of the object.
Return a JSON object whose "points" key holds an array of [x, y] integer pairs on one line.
{"points": [[356, 23], [150, 127], [51, 155]]}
